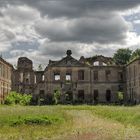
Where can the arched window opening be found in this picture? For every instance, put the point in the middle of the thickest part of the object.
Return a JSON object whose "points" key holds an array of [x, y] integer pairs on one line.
{"points": [[57, 76], [68, 77], [96, 63], [108, 95], [96, 95], [81, 75]]}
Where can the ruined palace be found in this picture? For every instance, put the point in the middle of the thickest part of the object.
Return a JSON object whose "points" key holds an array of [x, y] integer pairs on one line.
{"points": [[5, 78], [87, 80]]}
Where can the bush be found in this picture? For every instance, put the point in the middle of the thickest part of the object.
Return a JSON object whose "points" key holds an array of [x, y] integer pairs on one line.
{"points": [[37, 120], [56, 96], [120, 97], [17, 98]]}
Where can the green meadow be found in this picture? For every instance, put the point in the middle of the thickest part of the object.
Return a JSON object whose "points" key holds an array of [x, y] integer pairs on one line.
{"points": [[67, 122]]}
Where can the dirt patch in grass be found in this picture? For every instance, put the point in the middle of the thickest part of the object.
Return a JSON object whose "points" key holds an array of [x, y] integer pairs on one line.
{"points": [[87, 126]]}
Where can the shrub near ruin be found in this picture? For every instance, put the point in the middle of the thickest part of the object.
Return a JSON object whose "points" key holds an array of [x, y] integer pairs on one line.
{"points": [[17, 98]]}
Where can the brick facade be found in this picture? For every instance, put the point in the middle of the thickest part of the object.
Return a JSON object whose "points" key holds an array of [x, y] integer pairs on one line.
{"points": [[5, 79]]}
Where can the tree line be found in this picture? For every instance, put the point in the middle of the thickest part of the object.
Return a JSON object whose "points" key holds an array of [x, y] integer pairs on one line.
{"points": [[125, 55]]}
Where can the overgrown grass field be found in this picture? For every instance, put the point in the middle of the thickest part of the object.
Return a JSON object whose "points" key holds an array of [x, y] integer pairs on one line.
{"points": [[69, 122]]}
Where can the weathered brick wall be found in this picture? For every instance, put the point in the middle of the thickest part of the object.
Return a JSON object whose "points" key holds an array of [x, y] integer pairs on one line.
{"points": [[5, 79], [111, 81], [133, 81]]}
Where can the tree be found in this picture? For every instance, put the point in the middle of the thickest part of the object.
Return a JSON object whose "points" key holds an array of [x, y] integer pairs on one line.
{"points": [[135, 54], [120, 97], [40, 67], [122, 56], [56, 96]]}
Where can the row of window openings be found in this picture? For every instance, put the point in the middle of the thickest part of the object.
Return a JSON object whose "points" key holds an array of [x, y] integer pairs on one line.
{"points": [[57, 77], [81, 76], [68, 76]]}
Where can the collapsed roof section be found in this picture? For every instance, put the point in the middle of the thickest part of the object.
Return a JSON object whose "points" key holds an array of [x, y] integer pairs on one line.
{"points": [[98, 60]]}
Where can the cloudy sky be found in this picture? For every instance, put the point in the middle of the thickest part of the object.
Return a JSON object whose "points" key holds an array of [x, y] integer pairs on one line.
{"points": [[45, 29]]}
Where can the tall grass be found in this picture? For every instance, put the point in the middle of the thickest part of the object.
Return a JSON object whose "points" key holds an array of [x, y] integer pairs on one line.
{"points": [[43, 122], [125, 115]]}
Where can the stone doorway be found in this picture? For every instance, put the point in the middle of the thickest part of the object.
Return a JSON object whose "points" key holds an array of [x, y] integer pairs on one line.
{"points": [[69, 96], [81, 96], [108, 95]]}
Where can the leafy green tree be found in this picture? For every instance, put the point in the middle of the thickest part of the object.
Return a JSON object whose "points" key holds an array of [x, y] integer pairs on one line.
{"points": [[122, 56], [17, 98], [135, 54]]}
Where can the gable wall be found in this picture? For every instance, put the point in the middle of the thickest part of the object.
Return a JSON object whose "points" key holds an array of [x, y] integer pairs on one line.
{"points": [[133, 81]]}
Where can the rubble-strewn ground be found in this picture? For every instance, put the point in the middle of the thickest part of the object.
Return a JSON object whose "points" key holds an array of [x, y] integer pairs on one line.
{"points": [[69, 122]]}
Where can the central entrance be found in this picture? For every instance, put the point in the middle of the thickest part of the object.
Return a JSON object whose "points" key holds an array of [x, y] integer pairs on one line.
{"points": [[69, 96], [108, 95]]}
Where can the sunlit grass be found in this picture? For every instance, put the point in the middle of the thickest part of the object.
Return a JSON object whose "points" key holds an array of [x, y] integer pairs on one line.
{"points": [[123, 114]]}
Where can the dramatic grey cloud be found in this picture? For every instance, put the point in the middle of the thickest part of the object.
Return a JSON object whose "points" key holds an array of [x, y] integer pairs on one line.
{"points": [[45, 29], [75, 8], [86, 29]]}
